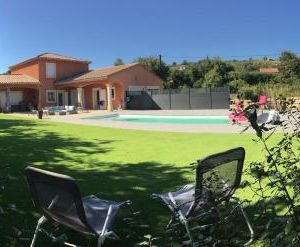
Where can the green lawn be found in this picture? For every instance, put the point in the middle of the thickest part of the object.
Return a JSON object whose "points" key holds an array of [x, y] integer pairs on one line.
{"points": [[113, 163]]}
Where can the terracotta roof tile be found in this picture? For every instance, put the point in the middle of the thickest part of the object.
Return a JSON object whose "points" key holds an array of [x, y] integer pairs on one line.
{"points": [[61, 57], [48, 55], [18, 80], [269, 70], [98, 74]]}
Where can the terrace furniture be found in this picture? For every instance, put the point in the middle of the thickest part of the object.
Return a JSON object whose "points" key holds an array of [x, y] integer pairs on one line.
{"points": [[262, 101], [81, 109], [58, 199], [270, 117], [217, 178], [60, 110], [71, 109], [238, 115], [32, 110], [52, 110], [45, 111], [15, 108]]}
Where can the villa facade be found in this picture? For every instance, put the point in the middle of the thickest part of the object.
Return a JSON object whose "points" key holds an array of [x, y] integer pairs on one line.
{"points": [[55, 80]]}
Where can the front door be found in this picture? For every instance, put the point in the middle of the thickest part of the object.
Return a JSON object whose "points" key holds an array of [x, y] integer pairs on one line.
{"points": [[60, 98], [69, 96], [103, 98], [98, 99]]}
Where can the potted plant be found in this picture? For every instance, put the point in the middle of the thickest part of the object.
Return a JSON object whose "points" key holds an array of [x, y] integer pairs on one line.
{"points": [[40, 113]]}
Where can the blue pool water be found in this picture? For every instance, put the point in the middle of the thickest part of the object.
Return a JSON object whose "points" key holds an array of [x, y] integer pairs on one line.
{"points": [[200, 119]]}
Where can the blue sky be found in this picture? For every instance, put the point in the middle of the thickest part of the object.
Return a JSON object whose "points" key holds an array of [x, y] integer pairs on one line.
{"points": [[102, 31]]}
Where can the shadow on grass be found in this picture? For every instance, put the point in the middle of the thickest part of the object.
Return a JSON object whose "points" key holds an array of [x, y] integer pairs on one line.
{"points": [[24, 143], [269, 219], [135, 182]]}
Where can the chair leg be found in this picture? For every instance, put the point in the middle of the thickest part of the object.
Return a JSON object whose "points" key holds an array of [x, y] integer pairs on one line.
{"points": [[248, 225], [111, 235], [170, 222], [36, 232], [101, 240], [103, 234], [129, 205], [115, 236], [182, 218], [184, 221], [186, 225]]}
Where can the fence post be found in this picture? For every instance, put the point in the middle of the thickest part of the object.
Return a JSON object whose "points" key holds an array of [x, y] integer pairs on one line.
{"points": [[210, 96], [170, 104], [152, 105], [190, 98]]}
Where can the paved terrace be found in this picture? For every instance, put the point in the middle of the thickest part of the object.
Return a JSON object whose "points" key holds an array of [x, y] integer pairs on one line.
{"points": [[81, 118]]}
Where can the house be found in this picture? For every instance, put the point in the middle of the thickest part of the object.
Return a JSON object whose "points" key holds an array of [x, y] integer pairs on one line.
{"points": [[51, 79], [270, 70]]}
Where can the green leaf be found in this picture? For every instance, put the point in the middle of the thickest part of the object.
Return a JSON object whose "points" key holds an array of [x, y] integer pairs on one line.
{"points": [[148, 236], [289, 227]]}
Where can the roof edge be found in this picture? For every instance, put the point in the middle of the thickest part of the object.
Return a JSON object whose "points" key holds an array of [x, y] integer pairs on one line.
{"points": [[137, 63], [69, 81], [65, 82], [45, 58], [130, 66], [33, 81]]}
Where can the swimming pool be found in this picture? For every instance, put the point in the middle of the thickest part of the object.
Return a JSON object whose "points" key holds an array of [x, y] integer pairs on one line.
{"points": [[200, 119]]}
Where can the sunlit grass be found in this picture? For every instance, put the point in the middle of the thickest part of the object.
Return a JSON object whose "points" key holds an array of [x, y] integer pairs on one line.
{"points": [[115, 163]]}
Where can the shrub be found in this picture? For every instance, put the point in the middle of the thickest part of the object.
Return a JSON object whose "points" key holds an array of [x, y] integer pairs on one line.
{"points": [[248, 93], [276, 179], [236, 85]]}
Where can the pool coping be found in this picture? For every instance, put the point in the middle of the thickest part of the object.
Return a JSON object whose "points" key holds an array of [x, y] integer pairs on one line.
{"points": [[148, 126], [82, 119]]}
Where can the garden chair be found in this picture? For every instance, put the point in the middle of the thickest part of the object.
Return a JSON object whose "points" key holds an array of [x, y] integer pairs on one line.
{"points": [[262, 122], [262, 101], [238, 115], [71, 109], [81, 109], [32, 110], [217, 178], [58, 199]]}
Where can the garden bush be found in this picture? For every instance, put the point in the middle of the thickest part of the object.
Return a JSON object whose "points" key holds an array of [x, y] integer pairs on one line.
{"points": [[276, 179]]}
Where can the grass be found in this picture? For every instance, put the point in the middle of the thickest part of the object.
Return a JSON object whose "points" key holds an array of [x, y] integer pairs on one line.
{"points": [[116, 164]]}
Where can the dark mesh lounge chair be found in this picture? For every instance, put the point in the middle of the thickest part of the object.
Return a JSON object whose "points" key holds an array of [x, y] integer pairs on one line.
{"points": [[58, 199], [217, 178]]}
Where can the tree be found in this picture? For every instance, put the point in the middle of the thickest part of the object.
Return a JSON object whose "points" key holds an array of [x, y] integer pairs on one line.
{"points": [[236, 85], [180, 78], [213, 78], [153, 64], [118, 61], [216, 73], [289, 66], [8, 72]]}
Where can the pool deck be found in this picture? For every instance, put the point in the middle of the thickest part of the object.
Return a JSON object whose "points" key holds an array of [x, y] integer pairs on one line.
{"points": [[82, 118]]}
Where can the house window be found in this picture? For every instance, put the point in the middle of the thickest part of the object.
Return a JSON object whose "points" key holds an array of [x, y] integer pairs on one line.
{"points": [[113, 93], [50, 70], [51, 96], [153, 90]]}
